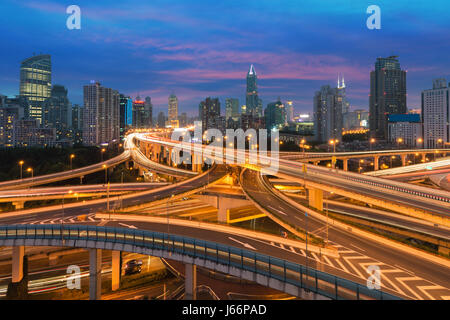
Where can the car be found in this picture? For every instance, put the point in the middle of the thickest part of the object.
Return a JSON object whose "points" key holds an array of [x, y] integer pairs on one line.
{"points": [[133, 266]]}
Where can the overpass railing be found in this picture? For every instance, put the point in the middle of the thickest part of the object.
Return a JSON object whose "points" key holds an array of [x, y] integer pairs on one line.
{"points": [[289, 272]]}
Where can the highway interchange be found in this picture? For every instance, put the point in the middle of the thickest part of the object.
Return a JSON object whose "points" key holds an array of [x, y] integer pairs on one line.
{"points": [[403, 275]]}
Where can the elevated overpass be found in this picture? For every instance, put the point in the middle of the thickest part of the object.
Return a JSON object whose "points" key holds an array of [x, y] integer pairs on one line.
{"points": [[276, 272], [64, 175], [397, 196]]}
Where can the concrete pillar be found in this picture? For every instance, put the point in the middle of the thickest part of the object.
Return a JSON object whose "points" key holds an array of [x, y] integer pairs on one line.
{"points": [[190, 281], [95, 274], [18, 205], [17, 263], [376, 163], [424, 157], [116, 270], [315, 198], [345, 161], [316, 163], [403, 156]]}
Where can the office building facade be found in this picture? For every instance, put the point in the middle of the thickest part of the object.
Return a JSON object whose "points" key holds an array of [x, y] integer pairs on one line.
{"points": [[36, 84], [328, 114], [436, 115], [387, 95], [101, 115]]}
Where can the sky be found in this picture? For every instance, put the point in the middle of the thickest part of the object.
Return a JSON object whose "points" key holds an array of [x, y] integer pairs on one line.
{"points": [[201, 48]]}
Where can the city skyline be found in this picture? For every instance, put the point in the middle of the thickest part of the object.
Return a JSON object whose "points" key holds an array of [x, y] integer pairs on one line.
{"points": [[189, 64]]}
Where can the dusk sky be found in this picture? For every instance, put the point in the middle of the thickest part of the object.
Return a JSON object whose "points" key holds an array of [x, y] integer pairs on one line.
{"points": [[196, 49]]}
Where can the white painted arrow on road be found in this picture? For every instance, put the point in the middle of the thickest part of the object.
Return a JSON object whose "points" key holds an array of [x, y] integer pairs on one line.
{"points": [[242, 243], [127, 225]]}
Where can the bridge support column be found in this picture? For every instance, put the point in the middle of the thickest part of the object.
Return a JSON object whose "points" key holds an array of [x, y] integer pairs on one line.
{"points": [[190, 281], [316, 163], [345, 161], [376, 163], [18, 205], [17, 263], [95, 274], [424, 157], [315, 198], [116, 270], [403, 160]]}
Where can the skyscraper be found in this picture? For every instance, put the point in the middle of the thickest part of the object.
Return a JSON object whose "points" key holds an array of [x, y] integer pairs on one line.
{"points": [[289, 111], [101, 114], [148, 109], [275, 115], [231, 108], [252, 101], [142, 113], [161, 120], [341, 87], [328, 114], [436, 115], [36, 83], [173, 111], [77, 124], [125, 113], [56, 112], [387, 94], [210, 111]]}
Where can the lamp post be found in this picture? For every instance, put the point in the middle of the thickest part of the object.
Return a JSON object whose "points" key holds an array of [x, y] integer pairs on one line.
{"points": [[32, 173], [21, 162], [420, 140], [441, 142], [399, 140], [333, 142], [392, 157], [371, 141], [70, 158], [106, 172], [101, 152]]}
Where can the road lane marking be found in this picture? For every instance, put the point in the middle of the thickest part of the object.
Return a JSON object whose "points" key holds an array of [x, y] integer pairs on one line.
{"points": [[246, 245], [277, 210], [127, 225]]}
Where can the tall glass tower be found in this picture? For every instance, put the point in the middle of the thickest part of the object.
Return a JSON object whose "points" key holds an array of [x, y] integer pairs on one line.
{"points": [[252, 102], [36, 83], [387, 94]]}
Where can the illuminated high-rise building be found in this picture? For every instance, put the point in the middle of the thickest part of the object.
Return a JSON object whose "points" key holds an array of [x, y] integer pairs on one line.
{"points": [[252, 101], [101, 121], [328, 114], [56, 112], [173, 111], [36, 83], [387, 94], [436, 115]]}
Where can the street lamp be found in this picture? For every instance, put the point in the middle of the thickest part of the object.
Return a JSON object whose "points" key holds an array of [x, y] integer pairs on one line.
{"points": [[399, 140], [440, 141], [372, 141], [21, 162], [32, 173], [70, 158], [420, 140], [333, 142], [393, 157], [101, 152], [106, 172]]}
